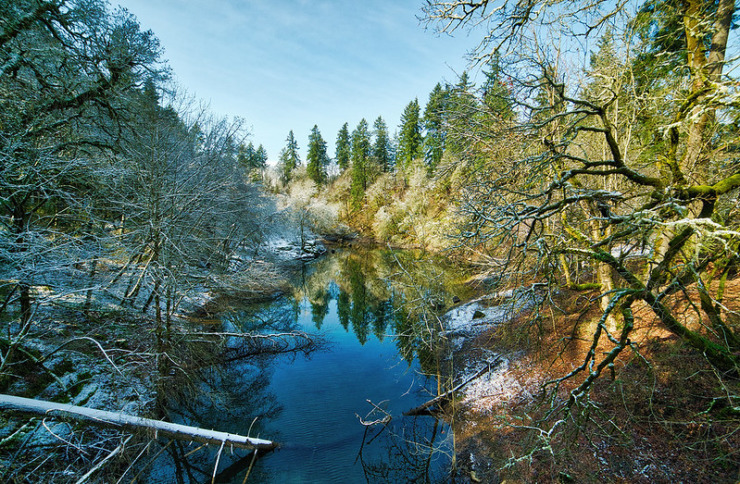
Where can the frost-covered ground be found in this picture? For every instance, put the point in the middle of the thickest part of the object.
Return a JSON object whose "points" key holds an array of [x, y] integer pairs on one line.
{"points": [[469, 328], [465, 324], [289, 248], [102, 357]]}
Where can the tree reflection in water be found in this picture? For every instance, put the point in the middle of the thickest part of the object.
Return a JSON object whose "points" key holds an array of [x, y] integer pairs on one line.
{"points": [[421, 453], [372, 295]]}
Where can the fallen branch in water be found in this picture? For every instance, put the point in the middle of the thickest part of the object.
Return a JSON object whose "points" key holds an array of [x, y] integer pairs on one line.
{"points": [[425, 407], [369, 423], [126, 421]]}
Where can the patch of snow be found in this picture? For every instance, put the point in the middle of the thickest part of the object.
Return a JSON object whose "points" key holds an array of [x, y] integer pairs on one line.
{"points": [[290, 249], [475, 316], [466, 321], [497, 384]]}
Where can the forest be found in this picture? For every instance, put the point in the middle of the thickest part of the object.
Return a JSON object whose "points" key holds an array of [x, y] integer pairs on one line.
{"points": [[595, 170]]}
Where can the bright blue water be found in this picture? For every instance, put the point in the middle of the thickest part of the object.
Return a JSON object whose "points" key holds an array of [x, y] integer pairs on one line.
{"points": [[312, 403], [322, 396]]}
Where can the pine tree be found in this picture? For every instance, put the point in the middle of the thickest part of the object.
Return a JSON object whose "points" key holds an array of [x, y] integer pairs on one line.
{"points": [[382, 145], [409, 143], [343, 150], [461, 114], [260, 157], [316, 158], [360, 154], [497, 97], [434, 126], [246, 156], [289, 159]]}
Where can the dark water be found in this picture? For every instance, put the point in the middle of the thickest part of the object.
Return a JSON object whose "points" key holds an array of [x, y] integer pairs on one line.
{"points": [[371, 311]]}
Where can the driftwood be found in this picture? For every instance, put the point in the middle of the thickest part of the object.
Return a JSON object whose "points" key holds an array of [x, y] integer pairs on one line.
{"points": [[426, 407], [126, 421]]}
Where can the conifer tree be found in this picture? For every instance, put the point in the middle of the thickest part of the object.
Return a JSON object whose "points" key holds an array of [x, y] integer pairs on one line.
{"points": [[261, 157], [316, 158], [462, 108], [409, 143], [434, 120], [246, 155], [382, 145], [289, 159], [360, 153], [343, 150], [496, 95]]}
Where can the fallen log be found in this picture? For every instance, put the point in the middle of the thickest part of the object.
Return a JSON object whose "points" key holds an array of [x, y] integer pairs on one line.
{"points": [[126, 421], [426, 407]]}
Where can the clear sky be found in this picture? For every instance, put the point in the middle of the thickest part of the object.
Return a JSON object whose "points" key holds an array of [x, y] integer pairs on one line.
{"points": [[290, 64]]}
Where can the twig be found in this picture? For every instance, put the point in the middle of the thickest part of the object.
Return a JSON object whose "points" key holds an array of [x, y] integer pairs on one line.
{"points": [[153, 459], [43, 422], [102, 350], [251, 464], [102, 462], [383, 420], [143, 451], [218, 459]]}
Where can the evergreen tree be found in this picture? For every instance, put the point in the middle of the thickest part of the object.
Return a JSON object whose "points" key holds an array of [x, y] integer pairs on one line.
{"points": [[316, 158], [246, 156], [409, 143], [343, 150], [496, 95], [434, 126], [382, 145], [360, 153], [260, 157], [462, 109], [289, 159]]}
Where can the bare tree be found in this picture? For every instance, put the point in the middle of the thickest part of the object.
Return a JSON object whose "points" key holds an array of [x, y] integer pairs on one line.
{"points": [[63, 69], [609, 168]]}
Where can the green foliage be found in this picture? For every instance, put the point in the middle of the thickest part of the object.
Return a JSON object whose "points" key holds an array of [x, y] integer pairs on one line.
{"points": [[289, 158], [251, 158], [462, 108], [435, 114], [361, 150], [316, 158], [381, 151], [496, 96], [343, 151], [409, 139]]}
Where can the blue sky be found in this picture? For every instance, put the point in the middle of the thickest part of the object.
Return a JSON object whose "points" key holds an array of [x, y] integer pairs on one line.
{"points": [[290, 64]]}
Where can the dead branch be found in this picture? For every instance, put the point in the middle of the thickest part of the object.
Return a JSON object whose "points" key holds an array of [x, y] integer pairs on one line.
{"points": [[122, 420], [425, 407]]}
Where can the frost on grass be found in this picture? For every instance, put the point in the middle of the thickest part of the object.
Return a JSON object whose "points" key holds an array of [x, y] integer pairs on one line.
{"points": [[464, 324], [473, 318]]}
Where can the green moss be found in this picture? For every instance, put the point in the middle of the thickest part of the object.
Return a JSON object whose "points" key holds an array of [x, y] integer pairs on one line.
{"points": [[83, 379], [588, 286], [63, 367]]}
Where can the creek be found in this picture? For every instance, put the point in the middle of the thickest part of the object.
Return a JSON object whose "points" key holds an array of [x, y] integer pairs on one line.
{"points": [[372, 311]]}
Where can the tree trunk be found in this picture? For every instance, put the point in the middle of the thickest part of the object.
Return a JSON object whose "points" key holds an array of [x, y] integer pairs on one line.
{"points": [[114, 419]]}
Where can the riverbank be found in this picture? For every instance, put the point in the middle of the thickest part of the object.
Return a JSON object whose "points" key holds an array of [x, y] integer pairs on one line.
{"points": [[111, 349], [657, 416]]}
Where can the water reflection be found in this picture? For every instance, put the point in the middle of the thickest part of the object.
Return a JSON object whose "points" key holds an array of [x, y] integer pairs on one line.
{"points": [[376, 310]]}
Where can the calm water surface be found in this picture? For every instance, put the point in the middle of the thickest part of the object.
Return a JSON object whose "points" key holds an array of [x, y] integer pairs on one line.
{"points": [[371, 310]]}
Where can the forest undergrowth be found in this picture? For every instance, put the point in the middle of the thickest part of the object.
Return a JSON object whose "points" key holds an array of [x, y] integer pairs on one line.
{"points": [[659, 415]]}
